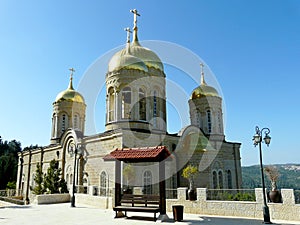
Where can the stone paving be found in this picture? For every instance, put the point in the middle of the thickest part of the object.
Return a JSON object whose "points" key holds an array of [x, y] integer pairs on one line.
{"points": [[82, 214]]}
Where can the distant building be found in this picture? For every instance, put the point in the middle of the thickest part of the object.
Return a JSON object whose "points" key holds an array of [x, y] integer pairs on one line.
{"points": [[136, 118]]}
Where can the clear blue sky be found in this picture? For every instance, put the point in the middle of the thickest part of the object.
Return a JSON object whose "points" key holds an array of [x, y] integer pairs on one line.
{"points": [[252, 47]]}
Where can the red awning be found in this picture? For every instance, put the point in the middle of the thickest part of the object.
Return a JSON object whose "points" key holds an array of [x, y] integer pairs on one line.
{"points": [[144, 154]]}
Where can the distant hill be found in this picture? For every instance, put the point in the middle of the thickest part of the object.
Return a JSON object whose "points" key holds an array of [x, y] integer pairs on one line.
{"points": [[289, 176]]}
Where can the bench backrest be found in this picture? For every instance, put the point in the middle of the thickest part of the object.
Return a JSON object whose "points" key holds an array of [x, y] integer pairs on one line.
{"points": [[138, 200]]}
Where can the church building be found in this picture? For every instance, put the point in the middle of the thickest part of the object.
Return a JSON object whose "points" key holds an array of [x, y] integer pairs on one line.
{"points": [[136, 120]]}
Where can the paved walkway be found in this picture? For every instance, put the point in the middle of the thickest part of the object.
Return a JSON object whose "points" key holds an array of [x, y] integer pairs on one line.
{"points": [[64, 214]]}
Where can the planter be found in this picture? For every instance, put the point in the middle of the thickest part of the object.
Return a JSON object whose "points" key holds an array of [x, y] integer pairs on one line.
{"points": [[275, 196], [52, 198], [177, 212], [192, 196]]}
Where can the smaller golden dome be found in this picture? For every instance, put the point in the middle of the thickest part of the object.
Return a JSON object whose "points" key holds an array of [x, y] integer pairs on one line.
{"points": [[69, 95], [204, 91]]}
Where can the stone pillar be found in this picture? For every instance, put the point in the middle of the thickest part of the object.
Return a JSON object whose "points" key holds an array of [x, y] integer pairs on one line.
{"points": [[201, 194], [181, 193], [92, 190], [259, 195], [288, 196]]}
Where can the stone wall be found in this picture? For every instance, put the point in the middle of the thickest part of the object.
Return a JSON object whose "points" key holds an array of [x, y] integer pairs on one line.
{"points": [[287, 210]]}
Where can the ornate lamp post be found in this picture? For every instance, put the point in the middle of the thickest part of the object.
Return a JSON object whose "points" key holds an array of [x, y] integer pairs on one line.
{"points": [[74, 150], [257, 138]]}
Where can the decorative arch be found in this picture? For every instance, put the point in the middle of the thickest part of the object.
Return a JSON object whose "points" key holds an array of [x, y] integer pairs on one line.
{"points": [[68, 137]]}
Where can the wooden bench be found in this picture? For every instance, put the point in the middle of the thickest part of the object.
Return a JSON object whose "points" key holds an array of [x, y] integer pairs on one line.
{"points": [[138, 203]]}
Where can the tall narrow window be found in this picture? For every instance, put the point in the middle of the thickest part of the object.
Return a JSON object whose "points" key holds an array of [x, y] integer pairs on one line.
{"points": [[147, 182], [76, 121], [229, 179], [63, 122], [111, 105], [215, 180], [220, 180], [142, 105], [154, 109], [71, 179], [209, 123], [53, 124], [103, 183], [126, 103], [198, 118], [219, 122]]}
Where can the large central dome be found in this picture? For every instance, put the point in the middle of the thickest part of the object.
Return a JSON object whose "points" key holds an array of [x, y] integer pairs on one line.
{"points": [[135, 56]]}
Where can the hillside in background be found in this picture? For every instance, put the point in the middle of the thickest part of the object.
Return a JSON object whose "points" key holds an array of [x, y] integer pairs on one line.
{"points": [[289, 176]]}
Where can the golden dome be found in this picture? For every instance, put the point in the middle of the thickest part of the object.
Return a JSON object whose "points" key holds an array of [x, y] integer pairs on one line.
{"points": [[145, 54], [124, 60], [70, 95], [135, 57], [204, 90]]}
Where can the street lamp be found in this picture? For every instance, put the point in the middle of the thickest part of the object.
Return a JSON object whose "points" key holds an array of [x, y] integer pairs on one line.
{"points": [[74, 150], [257, 138]]}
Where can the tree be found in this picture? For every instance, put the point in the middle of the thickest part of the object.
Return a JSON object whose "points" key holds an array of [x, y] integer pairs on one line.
{"points": [[39, 179], [8, 162], [52, 178], [53, 183]]}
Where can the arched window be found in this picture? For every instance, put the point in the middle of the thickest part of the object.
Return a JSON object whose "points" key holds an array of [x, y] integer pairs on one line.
{"points": [[209, 122], [229, 179], [154, 109], [215, 180], [126, 103], [147, 182], [142, 105], [220, 179], [103, 183], [111, 105]]}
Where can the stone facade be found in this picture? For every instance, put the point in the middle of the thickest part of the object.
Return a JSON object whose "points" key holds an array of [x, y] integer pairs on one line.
{"points": [[136, 117]]}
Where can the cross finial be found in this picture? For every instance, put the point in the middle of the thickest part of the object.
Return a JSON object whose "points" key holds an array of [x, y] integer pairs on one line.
{"points": [[202, 74], [127, 29], [71, 78], [135, 12], [72, 71], [135, 28]]}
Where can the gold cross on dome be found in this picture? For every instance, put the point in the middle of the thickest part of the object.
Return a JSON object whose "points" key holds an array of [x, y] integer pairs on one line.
{"points": [[72, 71], [127, 29], [135, 12]]}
